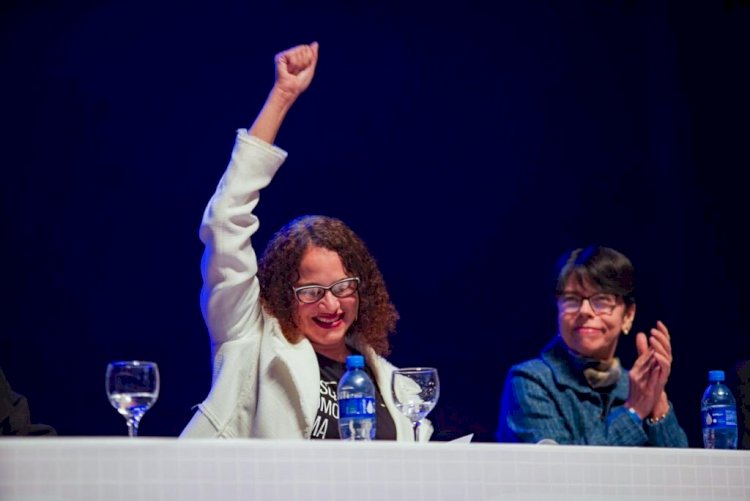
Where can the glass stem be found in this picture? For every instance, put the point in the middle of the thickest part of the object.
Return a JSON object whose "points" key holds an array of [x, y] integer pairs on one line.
{"points": [[416, 430], [132, 427]]}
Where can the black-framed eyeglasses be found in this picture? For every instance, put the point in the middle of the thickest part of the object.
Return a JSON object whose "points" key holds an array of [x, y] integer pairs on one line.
{"points": [[313, 293], [600, 303]]}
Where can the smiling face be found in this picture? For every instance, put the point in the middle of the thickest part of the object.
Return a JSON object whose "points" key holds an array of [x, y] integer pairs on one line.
{"points": [[325, 322], [589, 334]]}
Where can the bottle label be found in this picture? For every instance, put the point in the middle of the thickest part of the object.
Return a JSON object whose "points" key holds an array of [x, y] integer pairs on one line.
{"points": [[361, 407], [719, 418]]}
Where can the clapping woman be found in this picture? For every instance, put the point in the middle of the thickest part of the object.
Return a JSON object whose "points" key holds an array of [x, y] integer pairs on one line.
{"points": [[576, 391]]}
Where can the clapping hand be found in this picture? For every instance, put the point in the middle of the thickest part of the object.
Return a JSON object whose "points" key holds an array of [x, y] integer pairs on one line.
{"points": [[650, 373]]}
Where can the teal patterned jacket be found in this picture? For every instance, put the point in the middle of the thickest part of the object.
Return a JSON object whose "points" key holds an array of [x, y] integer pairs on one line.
{"points": [[547, 398]]}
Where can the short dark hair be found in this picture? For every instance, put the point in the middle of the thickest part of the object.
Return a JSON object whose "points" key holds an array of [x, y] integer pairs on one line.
{"points": [[278, 270], [607, 269]]}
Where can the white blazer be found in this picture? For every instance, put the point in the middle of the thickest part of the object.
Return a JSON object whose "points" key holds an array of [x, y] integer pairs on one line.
{"points": [[263, 386]]}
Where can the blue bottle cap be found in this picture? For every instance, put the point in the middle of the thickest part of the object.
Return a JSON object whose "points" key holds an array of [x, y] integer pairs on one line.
{"points": [[714, 376], [355, 361]]}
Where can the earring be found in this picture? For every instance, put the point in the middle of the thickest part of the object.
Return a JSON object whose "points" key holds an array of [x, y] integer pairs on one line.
{"points": [[625, 330]]}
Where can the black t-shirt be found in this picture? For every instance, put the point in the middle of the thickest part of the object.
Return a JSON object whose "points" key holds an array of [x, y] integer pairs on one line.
{"points": [[327, 421]]}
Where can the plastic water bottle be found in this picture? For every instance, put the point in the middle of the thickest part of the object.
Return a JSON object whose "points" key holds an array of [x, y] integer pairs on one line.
{"points": [[719, 412], [356, 398]]}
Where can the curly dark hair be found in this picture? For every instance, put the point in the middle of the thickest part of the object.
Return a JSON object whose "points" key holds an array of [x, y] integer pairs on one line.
{"points": [[610, 270], [278, 269]]}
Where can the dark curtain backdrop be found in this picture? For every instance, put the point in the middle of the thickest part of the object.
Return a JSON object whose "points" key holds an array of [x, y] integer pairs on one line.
{"points": [[469, 144]]}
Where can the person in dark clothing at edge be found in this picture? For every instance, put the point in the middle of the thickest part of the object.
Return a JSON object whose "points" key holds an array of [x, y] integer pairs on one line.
{"points": [[15, 415]]}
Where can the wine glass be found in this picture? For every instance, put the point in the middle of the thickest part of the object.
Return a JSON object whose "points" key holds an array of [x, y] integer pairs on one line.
{"points": [[132, 388], [415, 392]]}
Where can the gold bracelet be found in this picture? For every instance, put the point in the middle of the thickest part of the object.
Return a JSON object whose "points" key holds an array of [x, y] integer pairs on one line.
{"points": [[660, 418]]}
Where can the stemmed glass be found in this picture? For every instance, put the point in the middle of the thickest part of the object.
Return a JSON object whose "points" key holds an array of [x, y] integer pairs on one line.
{"points": [[132, 388], [415, 392]]}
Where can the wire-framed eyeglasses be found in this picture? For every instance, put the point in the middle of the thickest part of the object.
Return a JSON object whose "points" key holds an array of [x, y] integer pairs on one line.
{"points": [[600, 303], [313, 293]]}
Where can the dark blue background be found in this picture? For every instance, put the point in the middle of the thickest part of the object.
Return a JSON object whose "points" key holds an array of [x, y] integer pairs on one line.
{"points": [[469, 144]]}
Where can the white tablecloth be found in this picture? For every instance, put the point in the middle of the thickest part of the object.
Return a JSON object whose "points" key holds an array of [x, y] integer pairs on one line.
{"points": [[220, 470]]}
